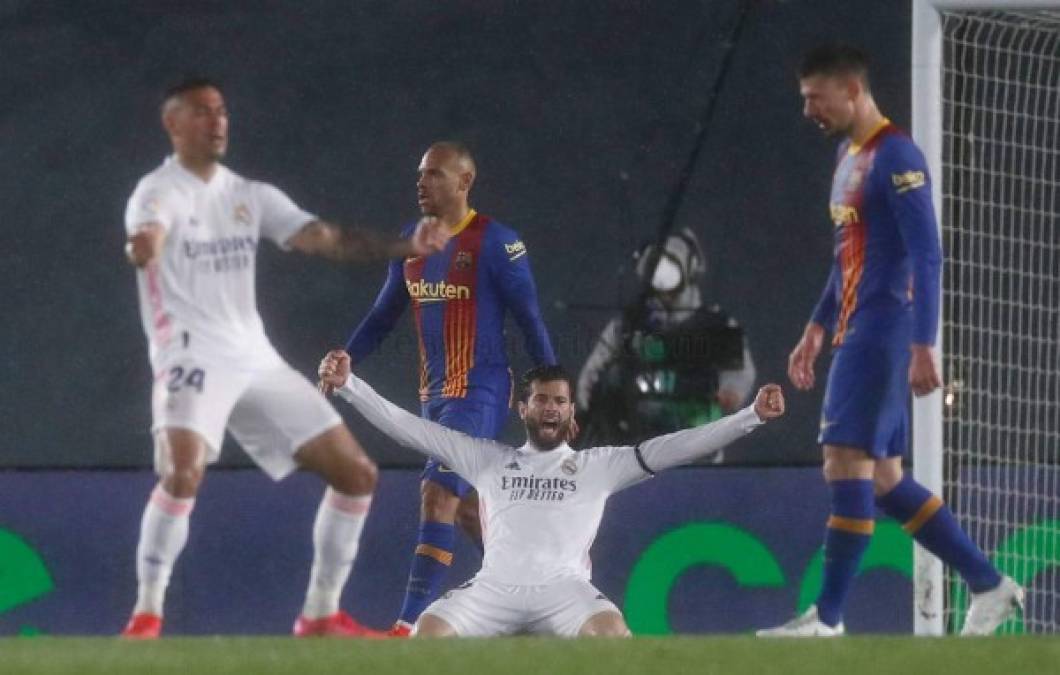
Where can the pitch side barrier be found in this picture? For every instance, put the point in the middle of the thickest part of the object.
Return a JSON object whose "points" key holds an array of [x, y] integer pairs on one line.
{"points": [[691, 551]]}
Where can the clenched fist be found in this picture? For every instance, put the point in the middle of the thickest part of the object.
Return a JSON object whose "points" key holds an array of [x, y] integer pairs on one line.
{"points": [[334, 370], [769, 403]]}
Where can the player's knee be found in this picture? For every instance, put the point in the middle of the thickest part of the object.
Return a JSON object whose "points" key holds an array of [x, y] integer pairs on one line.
{"points": [[847, 464], [430, 625], [359, 477], [336, 457], [605, 624], [438, 504], [183, 482], [833, 471], [887, 476], [180, 461]]}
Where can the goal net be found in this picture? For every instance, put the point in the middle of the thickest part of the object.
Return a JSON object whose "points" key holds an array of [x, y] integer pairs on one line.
{"points": [[999, 181]]}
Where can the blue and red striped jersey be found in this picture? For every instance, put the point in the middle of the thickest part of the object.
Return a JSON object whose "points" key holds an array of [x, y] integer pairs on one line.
{"points": [[459, 298], [884, 283]]}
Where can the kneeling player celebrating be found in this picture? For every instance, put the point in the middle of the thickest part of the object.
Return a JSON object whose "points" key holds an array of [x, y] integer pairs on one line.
{"points": [[541, 504]]}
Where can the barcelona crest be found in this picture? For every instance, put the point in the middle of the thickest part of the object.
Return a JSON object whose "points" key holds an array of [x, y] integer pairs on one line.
{"points": [[462, 261]]}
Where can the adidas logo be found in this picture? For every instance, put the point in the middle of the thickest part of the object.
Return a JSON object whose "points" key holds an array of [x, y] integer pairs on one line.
{"points": [[514, 466]]}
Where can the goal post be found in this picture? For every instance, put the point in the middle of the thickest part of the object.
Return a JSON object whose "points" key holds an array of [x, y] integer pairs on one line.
{"points": [[986, 113]]}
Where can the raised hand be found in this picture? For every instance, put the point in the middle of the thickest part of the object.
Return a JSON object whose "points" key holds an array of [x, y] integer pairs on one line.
{"points": [[334, 370], [769, 403]]}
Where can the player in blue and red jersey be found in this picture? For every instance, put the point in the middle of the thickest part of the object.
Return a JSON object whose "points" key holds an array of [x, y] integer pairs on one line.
{"points": [[459, 299], [882, 305]]}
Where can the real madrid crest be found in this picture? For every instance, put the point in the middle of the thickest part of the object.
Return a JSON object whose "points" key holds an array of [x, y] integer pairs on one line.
{"points": [[242, 215], [569, 466], [462, 261]]}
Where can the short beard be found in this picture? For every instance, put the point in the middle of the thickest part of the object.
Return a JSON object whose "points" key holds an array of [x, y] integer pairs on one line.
{"points": [[533, 433]]}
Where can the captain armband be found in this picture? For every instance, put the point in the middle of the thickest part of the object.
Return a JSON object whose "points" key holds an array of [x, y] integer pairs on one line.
{"points": [[641, 462]]}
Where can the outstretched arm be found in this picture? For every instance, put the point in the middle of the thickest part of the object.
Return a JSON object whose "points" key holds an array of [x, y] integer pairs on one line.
{"points": [[684, 447], [359, 244], [631, 465], [466, 455]]}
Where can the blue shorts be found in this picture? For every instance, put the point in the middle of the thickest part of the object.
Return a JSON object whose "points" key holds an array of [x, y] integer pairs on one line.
{"points": [[474, 418], [866, 404]]}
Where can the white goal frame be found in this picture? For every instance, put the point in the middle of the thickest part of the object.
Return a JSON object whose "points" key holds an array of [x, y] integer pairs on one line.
{"points": [[928, 583]]}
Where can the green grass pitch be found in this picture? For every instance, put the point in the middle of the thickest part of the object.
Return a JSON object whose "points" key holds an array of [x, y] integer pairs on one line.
{"points": [[662, 656]]}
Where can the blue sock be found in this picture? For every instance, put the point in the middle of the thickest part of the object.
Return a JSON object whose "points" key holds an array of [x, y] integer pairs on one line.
{"points": [[849, 531], [926, 518], [434, 555]]}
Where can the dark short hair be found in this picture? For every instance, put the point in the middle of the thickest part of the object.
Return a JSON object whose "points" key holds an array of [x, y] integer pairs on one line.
{"points": [[551, 373], [186, 84], [835, 59]]}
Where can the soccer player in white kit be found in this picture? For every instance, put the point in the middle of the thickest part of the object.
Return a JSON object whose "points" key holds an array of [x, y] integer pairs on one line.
{"points": [[193, 229], [540, 504]]}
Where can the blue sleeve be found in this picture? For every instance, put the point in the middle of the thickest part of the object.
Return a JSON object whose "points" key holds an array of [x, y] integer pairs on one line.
{"points": [[908, 192], [824, 312], [387, 309], [509, 269]]}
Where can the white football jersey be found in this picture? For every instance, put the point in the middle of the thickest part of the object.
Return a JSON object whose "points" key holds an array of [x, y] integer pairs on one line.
{"points": [[200, 296], [540, 511]]}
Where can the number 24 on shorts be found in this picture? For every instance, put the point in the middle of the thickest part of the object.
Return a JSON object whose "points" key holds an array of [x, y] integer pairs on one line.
{"points": [[194, 378]]}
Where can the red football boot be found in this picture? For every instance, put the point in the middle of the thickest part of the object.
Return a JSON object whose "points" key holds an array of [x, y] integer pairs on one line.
{"points": [[400, 629], [339, 624], [143, 626]]}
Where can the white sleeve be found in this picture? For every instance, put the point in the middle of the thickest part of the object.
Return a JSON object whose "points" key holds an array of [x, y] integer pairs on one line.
{"points": [[627, 465], [149, 203], [464, 454], [281, 218]]}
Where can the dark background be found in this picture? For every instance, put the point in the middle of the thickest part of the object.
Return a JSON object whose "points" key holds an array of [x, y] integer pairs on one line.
{"points": [[580, 114]]}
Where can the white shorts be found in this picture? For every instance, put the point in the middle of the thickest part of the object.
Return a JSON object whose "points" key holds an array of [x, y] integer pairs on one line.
{"points": [[486, 609], [270, 411]]}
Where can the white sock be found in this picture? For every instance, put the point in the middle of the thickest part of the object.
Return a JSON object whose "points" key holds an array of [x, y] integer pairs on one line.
{"points": [[336, 534], [163, 533]]}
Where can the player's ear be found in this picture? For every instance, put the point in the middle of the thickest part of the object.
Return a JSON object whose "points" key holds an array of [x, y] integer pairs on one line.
{"points": [[522, 410], [169, 115], [168, 123], [467, 179], [855, 87]]}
